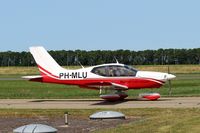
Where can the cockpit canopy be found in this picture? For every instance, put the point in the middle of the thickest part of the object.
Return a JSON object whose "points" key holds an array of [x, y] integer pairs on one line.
{"points": [[115, 71]]}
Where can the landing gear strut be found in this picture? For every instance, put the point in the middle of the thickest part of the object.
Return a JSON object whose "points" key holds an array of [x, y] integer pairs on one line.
{"points": [[114, 95]]}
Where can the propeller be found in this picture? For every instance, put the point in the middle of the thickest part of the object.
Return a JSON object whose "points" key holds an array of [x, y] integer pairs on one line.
{"points": [[169, 82]]}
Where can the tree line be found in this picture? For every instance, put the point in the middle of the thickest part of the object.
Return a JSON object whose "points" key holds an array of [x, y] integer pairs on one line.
{"points": [[94, 57]]}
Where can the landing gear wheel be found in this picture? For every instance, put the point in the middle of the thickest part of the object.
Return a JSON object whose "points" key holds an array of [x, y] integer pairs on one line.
{"points": [[149, 96]]}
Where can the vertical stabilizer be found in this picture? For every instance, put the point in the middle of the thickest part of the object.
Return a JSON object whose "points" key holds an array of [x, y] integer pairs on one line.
{"points": [[46, 64]]}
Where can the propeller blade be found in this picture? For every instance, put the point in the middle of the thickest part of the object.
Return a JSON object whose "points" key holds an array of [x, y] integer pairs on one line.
{"points": [[168, 70], [170, 88], [169, 82]]}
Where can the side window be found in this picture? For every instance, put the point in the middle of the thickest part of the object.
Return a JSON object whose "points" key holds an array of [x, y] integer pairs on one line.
{"points": [[114, 71], [99, 71], [126, 71], [111, 71], [131, 71]]}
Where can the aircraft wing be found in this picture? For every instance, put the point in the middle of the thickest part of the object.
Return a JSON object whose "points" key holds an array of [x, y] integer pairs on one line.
{"points": [[107, 85], [33, 78], [119, 86]]}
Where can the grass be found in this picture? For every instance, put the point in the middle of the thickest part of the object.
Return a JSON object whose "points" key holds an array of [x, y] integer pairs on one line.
{"points": [[160, 68], [25, 89], [18, 70], [161, 121], [184, 85], [173, 68], [149, 120], [44, 112]]}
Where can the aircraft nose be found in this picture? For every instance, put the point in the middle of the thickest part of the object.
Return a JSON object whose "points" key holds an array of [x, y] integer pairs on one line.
{"points": [[170, 76]]}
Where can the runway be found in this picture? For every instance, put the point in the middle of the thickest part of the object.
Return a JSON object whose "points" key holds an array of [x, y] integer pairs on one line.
{"points": [[170, 102]]}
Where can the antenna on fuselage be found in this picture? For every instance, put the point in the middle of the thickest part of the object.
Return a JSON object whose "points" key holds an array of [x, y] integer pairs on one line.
{"points": [[76, 59], [80, 64], [116, 60]]}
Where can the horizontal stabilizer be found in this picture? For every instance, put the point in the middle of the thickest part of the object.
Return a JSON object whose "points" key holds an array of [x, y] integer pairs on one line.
{"points": [[37, 78], [32, 77]]}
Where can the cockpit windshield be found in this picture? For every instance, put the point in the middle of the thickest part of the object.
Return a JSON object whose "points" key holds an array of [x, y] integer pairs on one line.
{"points": [[115, 71]]}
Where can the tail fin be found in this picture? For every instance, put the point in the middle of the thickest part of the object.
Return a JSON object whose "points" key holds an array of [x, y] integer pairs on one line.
{"points": [[46, 64]]}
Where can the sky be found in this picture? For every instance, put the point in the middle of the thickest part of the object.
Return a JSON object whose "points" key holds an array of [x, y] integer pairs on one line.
{"points": [[99, 24]]}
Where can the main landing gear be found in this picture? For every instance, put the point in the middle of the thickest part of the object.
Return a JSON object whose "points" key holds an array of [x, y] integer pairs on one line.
{"points": [[114, 95], [119, 95]]}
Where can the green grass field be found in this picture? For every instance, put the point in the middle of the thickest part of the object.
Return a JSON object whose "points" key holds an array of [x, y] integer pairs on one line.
{"points": [[165, 120], [149, 120], [160, 121], [186, 84], [26, 89], [161, 68]]}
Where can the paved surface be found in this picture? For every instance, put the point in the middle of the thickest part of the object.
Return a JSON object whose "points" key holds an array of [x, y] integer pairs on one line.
{"points": [[11, 79], [172, 102]]}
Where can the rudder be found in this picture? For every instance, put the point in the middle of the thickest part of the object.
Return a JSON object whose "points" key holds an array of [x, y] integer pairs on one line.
{"points": [[46, 64]]}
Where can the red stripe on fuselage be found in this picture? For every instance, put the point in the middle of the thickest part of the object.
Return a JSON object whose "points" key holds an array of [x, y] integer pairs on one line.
{"points": [[46, 72], [131, 83]]}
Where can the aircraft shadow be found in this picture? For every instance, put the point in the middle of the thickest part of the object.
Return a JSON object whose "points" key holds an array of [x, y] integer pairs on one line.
{"points": [[109, 102], [124, 101], [97, 101], [66, 100]]}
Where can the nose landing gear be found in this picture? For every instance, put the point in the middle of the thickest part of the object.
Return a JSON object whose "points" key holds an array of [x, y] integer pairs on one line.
{"points": [[149, 96]]}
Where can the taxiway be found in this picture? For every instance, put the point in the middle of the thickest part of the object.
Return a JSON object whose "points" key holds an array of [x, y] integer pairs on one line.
{"points": [[169, 102]]}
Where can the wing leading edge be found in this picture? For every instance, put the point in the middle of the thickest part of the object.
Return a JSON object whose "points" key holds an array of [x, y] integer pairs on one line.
{"points": [[105, 85]]}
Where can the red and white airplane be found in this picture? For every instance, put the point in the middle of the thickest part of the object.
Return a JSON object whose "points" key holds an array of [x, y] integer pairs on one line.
{"points": [[115, 77]]}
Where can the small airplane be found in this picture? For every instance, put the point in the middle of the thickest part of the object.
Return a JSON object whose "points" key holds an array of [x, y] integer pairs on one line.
{"points": [[115, 77]]}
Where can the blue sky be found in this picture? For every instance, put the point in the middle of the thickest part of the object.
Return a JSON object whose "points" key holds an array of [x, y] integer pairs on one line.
{"points": [[99, 24]]}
